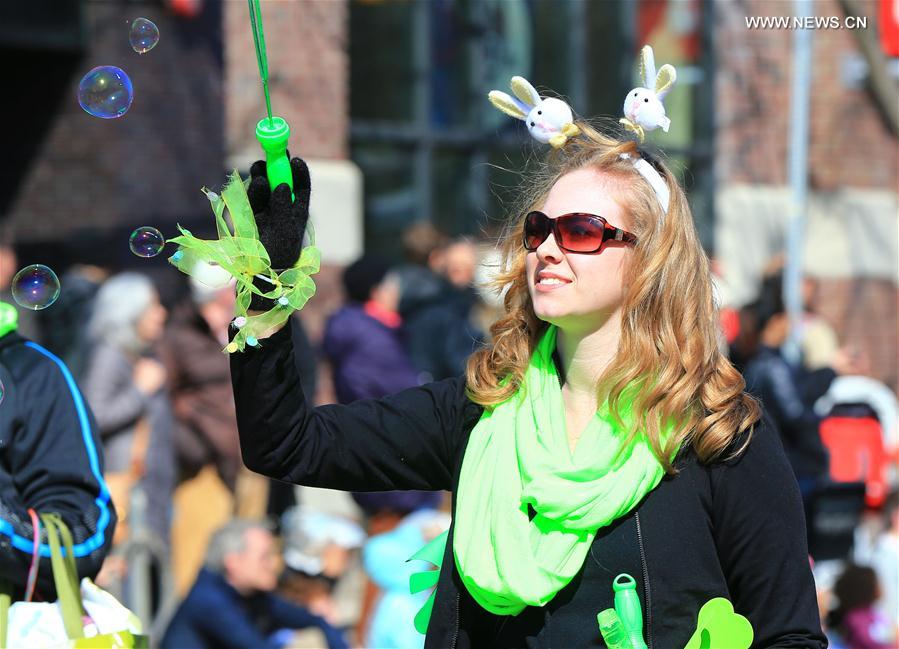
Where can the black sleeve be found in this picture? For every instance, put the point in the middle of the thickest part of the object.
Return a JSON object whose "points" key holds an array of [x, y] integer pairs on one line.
{"points": [[305, 355], [760, 536], [403, 441], [814, 384], [54, 464]]}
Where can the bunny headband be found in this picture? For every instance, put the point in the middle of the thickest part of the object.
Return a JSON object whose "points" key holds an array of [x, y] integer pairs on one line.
{"points": [[550, 120]]}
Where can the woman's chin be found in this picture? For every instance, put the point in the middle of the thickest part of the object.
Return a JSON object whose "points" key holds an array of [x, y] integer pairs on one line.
{"points": [[553, 314]]}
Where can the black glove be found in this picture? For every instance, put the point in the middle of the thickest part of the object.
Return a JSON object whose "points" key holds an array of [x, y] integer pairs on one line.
{"points": [[281, 221]]}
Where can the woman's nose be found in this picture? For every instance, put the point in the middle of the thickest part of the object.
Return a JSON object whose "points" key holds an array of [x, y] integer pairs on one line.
{"points": [[549, 250]]}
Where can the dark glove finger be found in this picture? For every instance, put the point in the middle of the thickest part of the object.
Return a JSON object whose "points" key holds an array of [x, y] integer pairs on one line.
{"points": [[302, 185], [257, 169], [280, 202], [259, 193]]}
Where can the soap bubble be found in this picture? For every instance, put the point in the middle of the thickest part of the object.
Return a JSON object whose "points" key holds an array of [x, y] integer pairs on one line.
{"points": [[106, 92], [144, 35], [2, 391], [146, 241], [35, 287]]}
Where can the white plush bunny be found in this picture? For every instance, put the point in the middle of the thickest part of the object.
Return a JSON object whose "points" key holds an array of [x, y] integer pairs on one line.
{"points": [[643, 107], [548, 120]]}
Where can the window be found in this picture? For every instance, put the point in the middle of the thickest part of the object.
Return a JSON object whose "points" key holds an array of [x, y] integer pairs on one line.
{"points": [[429, 144]]}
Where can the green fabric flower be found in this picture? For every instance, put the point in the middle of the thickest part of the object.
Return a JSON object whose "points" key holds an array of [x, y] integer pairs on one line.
{"points": [[239, 251]]}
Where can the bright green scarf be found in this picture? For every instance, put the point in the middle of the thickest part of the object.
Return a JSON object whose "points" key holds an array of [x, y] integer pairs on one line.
{"points": [[518, 454]]}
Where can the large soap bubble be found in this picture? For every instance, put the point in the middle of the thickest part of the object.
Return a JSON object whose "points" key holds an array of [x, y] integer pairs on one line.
{"points": [[146, 241], [144, 35], [35, 287], [106, 92]]}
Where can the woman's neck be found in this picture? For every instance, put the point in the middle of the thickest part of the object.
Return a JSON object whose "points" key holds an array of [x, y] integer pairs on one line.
{"points": [[586, 355]]}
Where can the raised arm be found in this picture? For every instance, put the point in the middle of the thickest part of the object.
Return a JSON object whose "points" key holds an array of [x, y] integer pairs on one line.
{"points": [[405, 441]]}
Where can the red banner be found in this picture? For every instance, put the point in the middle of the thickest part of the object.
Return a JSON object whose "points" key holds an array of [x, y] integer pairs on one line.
{"points": [[889, 27]]}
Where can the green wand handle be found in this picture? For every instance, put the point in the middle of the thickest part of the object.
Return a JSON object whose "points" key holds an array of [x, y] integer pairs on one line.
{"points": [[272, 135], [272, 132]]}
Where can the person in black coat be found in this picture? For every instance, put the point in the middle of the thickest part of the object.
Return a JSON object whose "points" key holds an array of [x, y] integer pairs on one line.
{"points": [[602, 432], [51, 460]]}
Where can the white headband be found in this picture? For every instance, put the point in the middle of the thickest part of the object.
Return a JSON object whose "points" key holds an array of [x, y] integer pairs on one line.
{"points": [[653, 177]]}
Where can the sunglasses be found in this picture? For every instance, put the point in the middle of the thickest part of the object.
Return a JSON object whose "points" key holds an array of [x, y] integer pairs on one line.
{"points": [[577, 232]]}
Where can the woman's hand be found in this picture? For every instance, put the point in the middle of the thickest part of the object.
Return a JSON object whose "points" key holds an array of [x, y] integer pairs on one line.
{"points": [[281, 220], [149, 375]]}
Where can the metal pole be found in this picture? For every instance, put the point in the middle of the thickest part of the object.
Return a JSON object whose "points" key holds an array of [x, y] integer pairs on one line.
{"points": [[798, 176], [421, 44], [479, 178], [577, 54], [139, 580]]}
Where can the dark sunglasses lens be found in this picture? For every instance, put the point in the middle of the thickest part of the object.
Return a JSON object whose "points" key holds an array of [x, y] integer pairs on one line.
{"points": [[581, 233], [536, 229]]}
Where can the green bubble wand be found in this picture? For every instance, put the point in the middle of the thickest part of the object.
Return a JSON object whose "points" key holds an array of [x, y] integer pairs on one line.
{"points": [[238, 249], [271, 131]]}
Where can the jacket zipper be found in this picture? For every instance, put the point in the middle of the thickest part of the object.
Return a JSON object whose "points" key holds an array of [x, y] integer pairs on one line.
{"points": [[456, 632], [645, 582]]}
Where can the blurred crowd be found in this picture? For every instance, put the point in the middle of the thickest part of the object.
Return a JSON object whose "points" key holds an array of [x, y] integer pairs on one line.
{"points": [[301, 567]]}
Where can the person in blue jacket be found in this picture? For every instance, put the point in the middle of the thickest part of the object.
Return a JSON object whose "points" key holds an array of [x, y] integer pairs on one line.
{"points": [[232, 603], [51, 460], [363, 341]]}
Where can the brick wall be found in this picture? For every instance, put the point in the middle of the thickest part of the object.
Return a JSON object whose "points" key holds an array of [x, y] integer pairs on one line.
{"points": [[863, 311], [308, 69], [146, 167], [849, 144]]}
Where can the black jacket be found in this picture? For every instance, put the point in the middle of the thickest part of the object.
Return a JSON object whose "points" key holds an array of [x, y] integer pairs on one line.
{"points": [[770, 378], [51, 460], [734, 529]]}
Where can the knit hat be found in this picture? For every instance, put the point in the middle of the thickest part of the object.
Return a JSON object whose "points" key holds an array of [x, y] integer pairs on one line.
{"points": [[362, 276]]}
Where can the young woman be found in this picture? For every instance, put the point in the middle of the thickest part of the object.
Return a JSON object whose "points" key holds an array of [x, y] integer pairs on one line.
{"points": [[601, 432]]}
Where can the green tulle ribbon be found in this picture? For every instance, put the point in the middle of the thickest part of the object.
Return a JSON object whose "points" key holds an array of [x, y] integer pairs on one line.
{"points": [[432, 553], [239, 251]]}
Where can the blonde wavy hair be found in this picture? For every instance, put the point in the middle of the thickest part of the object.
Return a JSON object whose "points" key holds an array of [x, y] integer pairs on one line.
{"points": [[668, 363]]}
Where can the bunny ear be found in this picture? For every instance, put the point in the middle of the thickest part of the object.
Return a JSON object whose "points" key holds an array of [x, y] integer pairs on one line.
{"points": [[507, 104], [665, 80], [647, 65], [525, 91]]}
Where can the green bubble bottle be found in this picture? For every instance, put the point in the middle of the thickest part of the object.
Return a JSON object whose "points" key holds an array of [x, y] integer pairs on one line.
{"points": [[627, 606], [612, 630]]}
